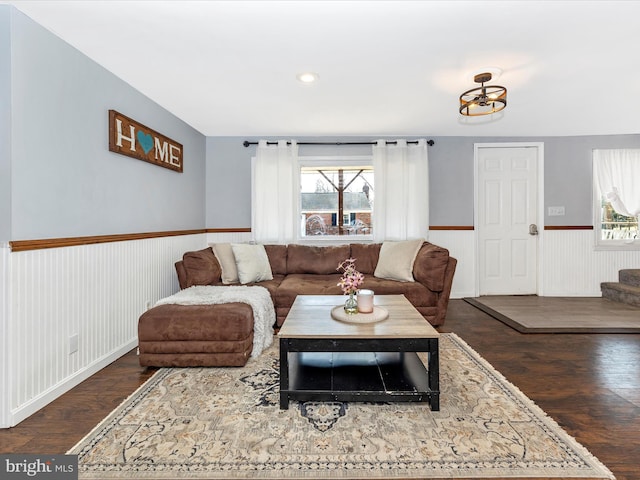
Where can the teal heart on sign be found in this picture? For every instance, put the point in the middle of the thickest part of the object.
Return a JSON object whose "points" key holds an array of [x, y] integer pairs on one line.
{"points": [[145, 140]]}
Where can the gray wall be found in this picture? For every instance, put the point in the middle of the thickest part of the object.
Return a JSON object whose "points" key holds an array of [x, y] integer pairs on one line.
{"points": [[568, 180], [58, 178], [5, 124], [65, 181], [228, 179], [229, 174], [567, 176]]}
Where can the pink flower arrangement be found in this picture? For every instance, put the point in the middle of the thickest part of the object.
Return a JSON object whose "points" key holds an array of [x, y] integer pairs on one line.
{"points": [[351, 278]]}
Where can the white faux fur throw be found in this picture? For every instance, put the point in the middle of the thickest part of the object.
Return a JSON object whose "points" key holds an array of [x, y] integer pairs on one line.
{"points": [[264, 315]]}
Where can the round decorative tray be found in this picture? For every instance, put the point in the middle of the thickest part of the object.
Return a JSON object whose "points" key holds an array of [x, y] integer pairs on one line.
{"points": [[377, 315]]}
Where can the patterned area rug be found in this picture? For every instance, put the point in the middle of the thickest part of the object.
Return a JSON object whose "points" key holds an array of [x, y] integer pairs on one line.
{"points": [[226, 423]]}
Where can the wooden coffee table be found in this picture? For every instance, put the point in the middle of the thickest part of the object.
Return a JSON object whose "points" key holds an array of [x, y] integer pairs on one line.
{"points": [[322, 359]]}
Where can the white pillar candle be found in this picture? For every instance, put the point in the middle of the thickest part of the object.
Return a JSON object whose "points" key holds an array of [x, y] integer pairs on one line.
{"points": [[365, 301]]}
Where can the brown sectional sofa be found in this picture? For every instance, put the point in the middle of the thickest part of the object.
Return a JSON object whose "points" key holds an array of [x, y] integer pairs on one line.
{"points": [[311, 270], [222, 335]]}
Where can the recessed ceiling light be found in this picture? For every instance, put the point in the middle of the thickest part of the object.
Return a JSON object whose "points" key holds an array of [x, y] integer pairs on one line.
{"points": [[307, 77]]}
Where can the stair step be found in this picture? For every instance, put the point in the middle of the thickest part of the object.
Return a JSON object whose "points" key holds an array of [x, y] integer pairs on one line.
{"points": [[630, 276], [621, 292]]}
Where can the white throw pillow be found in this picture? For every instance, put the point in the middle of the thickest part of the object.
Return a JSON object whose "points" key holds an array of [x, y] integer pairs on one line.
{"points": [[227, 261], [396, 260], [252, 263]]}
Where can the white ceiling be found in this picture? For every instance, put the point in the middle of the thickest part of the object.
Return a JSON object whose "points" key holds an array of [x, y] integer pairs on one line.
{"points": [[386, 67]]}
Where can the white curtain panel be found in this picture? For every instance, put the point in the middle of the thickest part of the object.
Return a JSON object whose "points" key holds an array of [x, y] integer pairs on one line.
{"points": [[275, 180], [401, 201], [618, 176]]}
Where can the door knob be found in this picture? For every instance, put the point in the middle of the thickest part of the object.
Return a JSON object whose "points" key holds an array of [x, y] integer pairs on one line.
{"points": [[533, 229]]}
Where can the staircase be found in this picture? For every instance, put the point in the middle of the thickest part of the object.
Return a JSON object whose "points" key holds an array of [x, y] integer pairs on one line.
{"points": [[627, 290]]}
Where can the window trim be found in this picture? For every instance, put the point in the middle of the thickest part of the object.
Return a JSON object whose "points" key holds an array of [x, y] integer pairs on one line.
{"points": [[333, 161]]}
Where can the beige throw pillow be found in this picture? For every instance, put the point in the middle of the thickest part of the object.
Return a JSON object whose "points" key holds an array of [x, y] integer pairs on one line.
{"points": [[396, 260], [227, 261], [252, 263]]}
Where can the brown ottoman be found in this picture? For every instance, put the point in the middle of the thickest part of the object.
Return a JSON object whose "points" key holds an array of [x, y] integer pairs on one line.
{"points": [[196, 335]]}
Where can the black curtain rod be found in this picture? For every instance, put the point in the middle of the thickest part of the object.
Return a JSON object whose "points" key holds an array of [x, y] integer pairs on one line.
{"points": [[246, 143]]}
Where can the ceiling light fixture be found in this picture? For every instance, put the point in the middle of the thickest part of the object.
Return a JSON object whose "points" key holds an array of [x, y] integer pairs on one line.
{"points": [[307, 77], [483, 100]]}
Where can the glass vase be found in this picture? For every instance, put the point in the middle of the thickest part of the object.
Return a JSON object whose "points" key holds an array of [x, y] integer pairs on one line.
{"points": [[351, 305]]}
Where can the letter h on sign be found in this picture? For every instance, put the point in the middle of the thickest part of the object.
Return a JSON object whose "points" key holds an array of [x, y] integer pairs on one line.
{"points": [[120, 136]]}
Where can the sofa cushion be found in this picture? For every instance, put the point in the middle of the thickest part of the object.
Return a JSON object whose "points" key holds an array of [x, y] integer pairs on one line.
{"points": [[306, 284], [366, 255], [252, 263], [182, 274], [316, 260], [224, 254], [396, 260], [430, 266], [277, 258], [201, 268], [198, 323], [271, 285]]}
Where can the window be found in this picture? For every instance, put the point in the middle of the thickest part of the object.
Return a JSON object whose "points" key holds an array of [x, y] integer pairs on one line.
{"points": [[614, 226], [336, 198], [302, 197], [616, 174]]}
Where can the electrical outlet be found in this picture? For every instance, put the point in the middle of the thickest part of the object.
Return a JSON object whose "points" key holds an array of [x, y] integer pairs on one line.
{"points": [[73, 343], [556, 211]]}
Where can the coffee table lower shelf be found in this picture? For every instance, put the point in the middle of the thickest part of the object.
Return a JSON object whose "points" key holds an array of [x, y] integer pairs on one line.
{"points": [[356, 376]]}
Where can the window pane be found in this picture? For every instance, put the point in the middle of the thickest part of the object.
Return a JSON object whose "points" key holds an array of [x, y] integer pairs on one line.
{"points": [[615, 226], [325, 189]]}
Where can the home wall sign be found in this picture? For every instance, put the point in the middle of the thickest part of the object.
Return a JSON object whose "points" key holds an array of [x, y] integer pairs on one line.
{"points": [[130, 138]]}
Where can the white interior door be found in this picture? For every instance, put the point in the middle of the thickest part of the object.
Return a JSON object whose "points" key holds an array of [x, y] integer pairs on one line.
{"points": [[506, 206]]}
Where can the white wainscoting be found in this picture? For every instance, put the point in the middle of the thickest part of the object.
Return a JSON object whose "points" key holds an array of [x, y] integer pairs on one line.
{"points": [[461, 246], [231, 237], [569, 264], [4, 336], [94, 292], [571, 267]]}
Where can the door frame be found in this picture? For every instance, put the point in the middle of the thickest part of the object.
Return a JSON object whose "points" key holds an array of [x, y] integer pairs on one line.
{"points": [[540, 208]]}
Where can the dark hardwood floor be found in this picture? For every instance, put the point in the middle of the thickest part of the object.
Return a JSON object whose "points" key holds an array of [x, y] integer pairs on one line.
{"points": [[588, 383]]}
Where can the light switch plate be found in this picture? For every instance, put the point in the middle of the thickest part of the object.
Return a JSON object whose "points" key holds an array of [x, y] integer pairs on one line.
{"points": [[556, 211]]}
